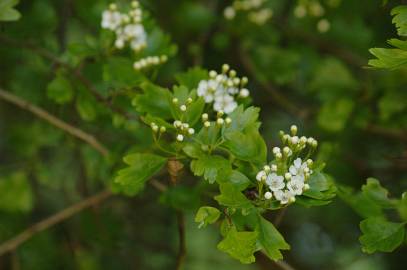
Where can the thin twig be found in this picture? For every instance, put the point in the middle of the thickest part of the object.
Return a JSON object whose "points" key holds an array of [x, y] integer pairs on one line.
{"points": [[74, 131], [59, 217]]}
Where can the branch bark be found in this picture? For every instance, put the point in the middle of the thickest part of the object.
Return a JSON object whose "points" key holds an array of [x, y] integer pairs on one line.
{"points": [[74, 131], [59, 217]]}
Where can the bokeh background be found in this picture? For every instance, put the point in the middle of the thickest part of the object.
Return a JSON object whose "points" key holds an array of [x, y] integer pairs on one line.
{"points": [[300, 73]]}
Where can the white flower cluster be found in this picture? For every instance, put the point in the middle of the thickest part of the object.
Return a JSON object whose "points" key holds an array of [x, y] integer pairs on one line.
{"points": [[287, 176], [127, 26], [257, 13], [314, 8], [223, 89], [149, 61]]}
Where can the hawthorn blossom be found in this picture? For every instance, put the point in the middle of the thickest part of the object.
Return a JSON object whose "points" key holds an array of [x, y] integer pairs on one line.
{"points": [[296, 185], [111, 19], [225, 103], [284, 196], [275, 182]]}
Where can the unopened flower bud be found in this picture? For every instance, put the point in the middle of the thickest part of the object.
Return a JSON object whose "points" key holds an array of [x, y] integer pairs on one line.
{"points": [[268, 195], [292, 199], [189, 100], [220, 113], [180, 137], [205, 116], [267, 168], [293, 130], [183, 108], [287, 176], [175, 100], [212, 74], [276, 150], [287, 151], [162, 129], [225, 68], [244, 80], [279, 156], [232, 73], [191, 131], [207, 124], [220, 121], [294, 140], [310, 162], [273, 167], [306, 187], [228, 120], [244, 93]]}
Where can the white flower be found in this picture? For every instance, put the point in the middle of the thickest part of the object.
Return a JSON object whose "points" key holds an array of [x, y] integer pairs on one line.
{"points": [[139, 41], [111, 19], [260, 175], [283, 196], [224, 103], [298, 167], [133, 30], [207, 90], [232, 90], [296, 186], [275, 182]]}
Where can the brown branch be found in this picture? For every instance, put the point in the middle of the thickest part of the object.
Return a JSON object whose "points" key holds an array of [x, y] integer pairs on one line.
{"points": [[74, 131], [59, 217], [174, 168], [74, 71], [182, 251]]}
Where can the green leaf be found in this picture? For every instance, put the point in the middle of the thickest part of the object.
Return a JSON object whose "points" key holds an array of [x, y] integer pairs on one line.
{"points": [[60, 89], [242, 119], [380, 235], [388, 58], [141, 167], [270, 239], [376, 193], [248, 146], [212, 168], [239, 180], [119, 73], [15, 193], [240, 245], [400, 19], [192, 77], [206, 215], [334, 115], [7, 12], [194, 111], [322, 191], [193, 150], [231, 196], [154, 101], [86, 106]]}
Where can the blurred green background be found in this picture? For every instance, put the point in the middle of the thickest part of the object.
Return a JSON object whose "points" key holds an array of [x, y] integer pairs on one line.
{"points": [[298, 75]]}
